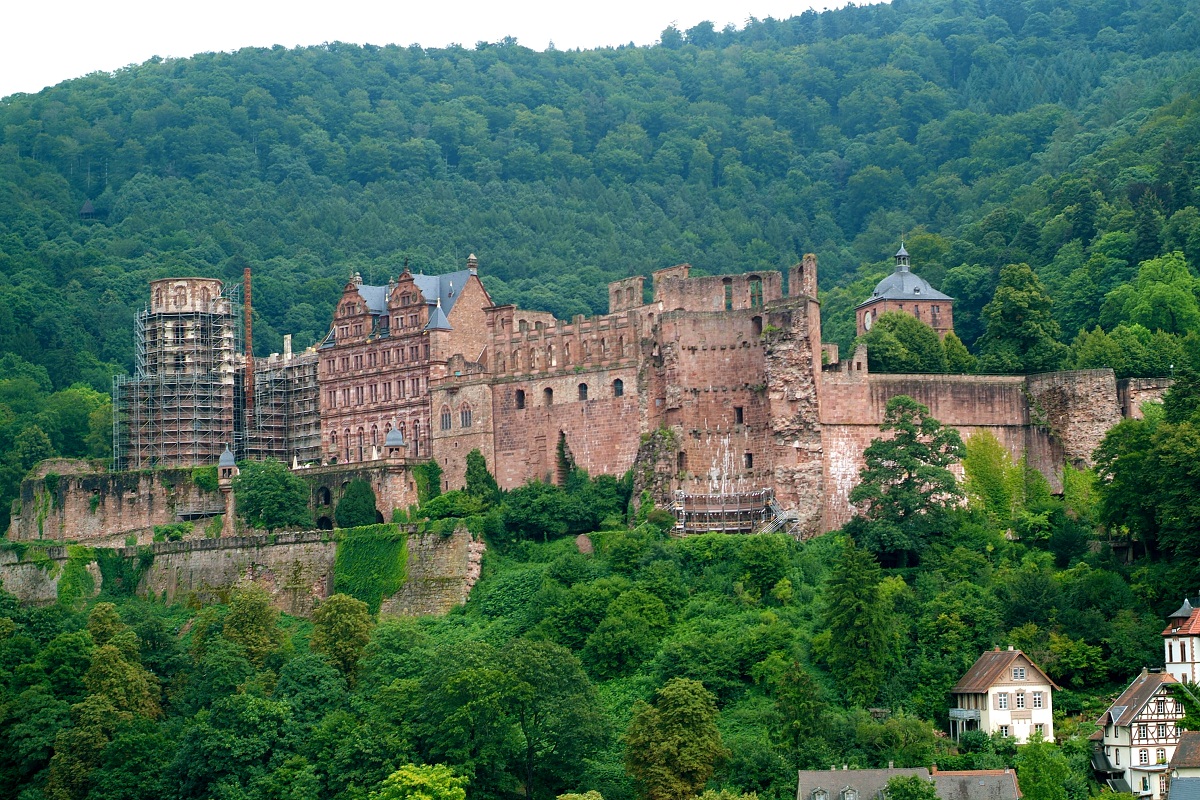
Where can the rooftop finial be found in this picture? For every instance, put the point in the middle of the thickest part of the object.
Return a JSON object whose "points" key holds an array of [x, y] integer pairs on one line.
{"points": [[473, 264], [902, 258]]}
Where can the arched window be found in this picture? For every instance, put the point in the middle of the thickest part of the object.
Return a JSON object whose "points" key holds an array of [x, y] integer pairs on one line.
{"points": [[629, 295], [464, 415], [603, 347], [346, 439], [374, 436], [403, 431], [416, 437], [756, 325], [548, 396], [180, 296], [323, 496], [445, 418], [516, 360], [618, 388], [620, 347], [520, 398], [333, 440], [362, 444], [583, 391], [552, 359], [158, 297]]}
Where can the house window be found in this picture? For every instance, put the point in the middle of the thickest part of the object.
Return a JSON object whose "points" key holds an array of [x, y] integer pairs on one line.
{"points": [[1145, 783], [618, 388], [583, 391], [1160, 756], [1117, 757], [820, 794], [1002, 700], [1143, 731], [1162, 730], [1143, 756], [520, 398], [1039, 728], [1004, 731], [1163, 785], [1020, 699], [1160, 706], [464, 416], [445, 418], [1018, 673], [1037, 699]]}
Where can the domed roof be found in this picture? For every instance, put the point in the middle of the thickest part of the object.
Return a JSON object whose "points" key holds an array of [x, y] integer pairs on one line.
{"points": [[227, 459], [904, 285], [394, 438]]}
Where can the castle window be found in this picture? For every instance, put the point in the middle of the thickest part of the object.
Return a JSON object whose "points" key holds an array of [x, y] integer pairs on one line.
{"points": [[180, 333], [180, 296], [323, 495], [748, 460], [520, 398], [620, 347], [566, 352], [548, 396], [756, 295], [387, 391], [728, 294], [756, 326], [739, 416], [346, 440], [374, 436], [583, 389], [618, 388], [681, 461], [522, 326], [180, 362], [362, 443], [445, 418], [427, 350], [464, 416], [629, 295]]}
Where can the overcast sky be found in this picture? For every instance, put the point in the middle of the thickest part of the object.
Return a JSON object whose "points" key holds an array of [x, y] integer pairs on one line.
{"points": [[44, 43]]}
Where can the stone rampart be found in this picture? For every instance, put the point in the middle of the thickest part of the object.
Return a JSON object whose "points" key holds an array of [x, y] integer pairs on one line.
{"points": [[296, 569]]}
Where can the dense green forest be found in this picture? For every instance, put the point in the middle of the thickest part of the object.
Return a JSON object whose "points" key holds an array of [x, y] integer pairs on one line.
{"points": [[625, 661]]}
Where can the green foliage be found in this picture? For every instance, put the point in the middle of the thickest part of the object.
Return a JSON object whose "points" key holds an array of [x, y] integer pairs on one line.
{"points": [[356, 506], [428, 477], [371, 563], [899, 342], [75, 582], [119, 577], [906, 486], [205, 478], [480, 482], [412, 782], [172, 532], [1043, 771], [269, 496], [672, 747], [1022, 334], [341, 629], [910, 787]]}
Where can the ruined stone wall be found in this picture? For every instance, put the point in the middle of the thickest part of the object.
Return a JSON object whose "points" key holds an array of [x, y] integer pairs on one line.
{"points": [[602, 431], [1078, 408], [392, 482], [675, 290], [1133, 392], [296, 569], [853, 404], [100, 508]]}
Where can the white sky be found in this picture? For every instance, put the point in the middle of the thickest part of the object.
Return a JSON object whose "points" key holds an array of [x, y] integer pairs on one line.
{"points": [[41, 45]]}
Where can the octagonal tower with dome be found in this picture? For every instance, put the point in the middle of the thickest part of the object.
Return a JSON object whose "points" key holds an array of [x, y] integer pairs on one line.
{"points": [[906, 291]]}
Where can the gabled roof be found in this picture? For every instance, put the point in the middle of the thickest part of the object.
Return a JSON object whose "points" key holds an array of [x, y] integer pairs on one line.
{"points": [[1187, 752], [977, 784], [375, 297], [1134, 698], [868, 783], [1184, 622], [993, 667]]}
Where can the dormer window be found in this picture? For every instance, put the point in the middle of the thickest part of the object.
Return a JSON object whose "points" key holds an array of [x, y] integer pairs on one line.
{"points": [[1018, 673], [820, 794]]}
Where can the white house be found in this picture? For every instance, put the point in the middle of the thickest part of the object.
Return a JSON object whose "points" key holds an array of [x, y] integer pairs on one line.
{"points": [[1181, 643], [1006, 693], [1137, 737]]}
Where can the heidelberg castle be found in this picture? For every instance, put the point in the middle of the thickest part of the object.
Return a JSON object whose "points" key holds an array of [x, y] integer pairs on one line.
{"points": [[717, 391]]}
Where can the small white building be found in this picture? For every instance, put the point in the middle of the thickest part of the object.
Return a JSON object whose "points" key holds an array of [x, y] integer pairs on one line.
{"points": [[1137, 737], [1181, 643], [1006, 693]]}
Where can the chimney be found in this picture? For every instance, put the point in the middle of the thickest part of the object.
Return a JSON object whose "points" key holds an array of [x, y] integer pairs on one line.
{"points": [[1010, 648], [932, 769]]}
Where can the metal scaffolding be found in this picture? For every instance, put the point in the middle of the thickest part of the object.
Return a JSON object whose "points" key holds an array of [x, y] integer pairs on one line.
{"points": [[177, 409], [728, 512], [285, 422]]}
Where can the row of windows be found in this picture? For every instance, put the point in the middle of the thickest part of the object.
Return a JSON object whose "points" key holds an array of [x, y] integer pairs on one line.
{"points": [[1183, 654], [1160, 756], [374, 392], [464, 417], [357, 446], [1161, 731], [1002, 700], [618, 390], [377, 358], [1037, 728]]}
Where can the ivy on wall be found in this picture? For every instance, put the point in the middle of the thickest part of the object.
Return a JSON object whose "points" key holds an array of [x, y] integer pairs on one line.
{"points": [[371, 563]]}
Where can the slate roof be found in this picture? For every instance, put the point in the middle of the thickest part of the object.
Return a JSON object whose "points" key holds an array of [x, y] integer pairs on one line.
{"points": [[437, 319], [227, 459], [990, 668], [903, 285], [1184, 622], [1187, 752], [1134, 698], [1184, 789], [437, 289], [868, 783], [977, 784]]}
